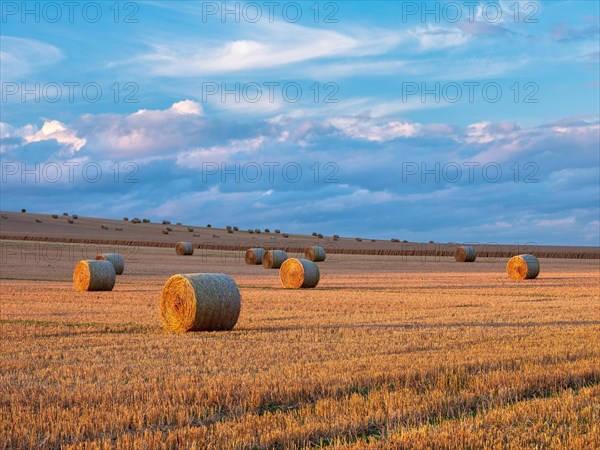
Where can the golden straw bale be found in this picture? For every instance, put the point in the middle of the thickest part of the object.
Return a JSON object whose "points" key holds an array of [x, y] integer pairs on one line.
{"points": [[93, 275], [299, 273], [315, 253], [116, 259], [523, 267], [273, 259], [254, 256], [465, 253], [200, 302], [184, 248]]}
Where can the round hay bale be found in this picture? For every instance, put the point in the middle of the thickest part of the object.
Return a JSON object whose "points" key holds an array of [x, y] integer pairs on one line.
{"points": [[315, 253], [166, 222], [165, 232], [23, 210], [465, 253], [55, 216], [285, 235], [523, 267], [230, 231], [277, 231], [299, 273], [4, 216], [65, 214], [70, 221], [118, 229], [125, 219], [116, 259], [145, 220], [236, 229], [38, 220], [93, 275], [200, 302], [75, 216], [273, 259], [191, 229], [104, 227], [184, 248], [254, 256]]}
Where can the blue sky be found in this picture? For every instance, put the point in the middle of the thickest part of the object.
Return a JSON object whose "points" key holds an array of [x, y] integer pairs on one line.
{"points": [[445, 121]]}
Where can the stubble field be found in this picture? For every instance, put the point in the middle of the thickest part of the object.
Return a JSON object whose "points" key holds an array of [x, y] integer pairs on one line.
{"points": [[387, 352]]}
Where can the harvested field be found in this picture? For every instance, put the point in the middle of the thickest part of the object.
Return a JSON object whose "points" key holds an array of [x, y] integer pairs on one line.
{"points": [[387, 351]]}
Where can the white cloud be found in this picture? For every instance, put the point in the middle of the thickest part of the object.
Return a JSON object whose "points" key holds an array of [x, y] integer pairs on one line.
{"points": [[195, 158], [437, 38], [55, 130], [366, 128], [21, 57], [264, 46]]}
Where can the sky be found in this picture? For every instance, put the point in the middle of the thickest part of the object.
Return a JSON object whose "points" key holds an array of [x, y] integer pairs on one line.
{"points": [[448, 121]]}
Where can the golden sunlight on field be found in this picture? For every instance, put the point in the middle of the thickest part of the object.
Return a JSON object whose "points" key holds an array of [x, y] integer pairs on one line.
{"points": [[386, 352]]}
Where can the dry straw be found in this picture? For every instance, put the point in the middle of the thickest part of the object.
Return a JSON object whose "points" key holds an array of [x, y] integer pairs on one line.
{"points": [[184, 248], [116, 259], [315, 253], [200, 302], [273, 259], [254, 256], [465, 253], [299, 273], [523, 267], [93, 275]]}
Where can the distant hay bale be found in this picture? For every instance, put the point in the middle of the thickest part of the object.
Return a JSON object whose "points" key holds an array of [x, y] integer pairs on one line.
{"points": [[216, 236], [146, 220], [55, 216], [251, 231], [273, 259], [336, 237], [236, 229], [228, 227], [465, 253], [195, 235], [104, 227], [315, 233], [126, 219], [136, 220], [179, 223], [38, 220], [285, 235], [359, 239], [190, 229], [299, 273], [75, 216], [200, 302], [118, 229], [373, 240], [4, 216], [116, 260], [315, 253], [65, 214], [395, 240], [166, 222], [523, 267], [184, 248], [209, 226], [93, 275], [254, 256], [165, 232], [267, 230], [320, 236], [23, 210], [230, 231], [169, 229], [70, 221], [257, 231], [277, 231]]}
